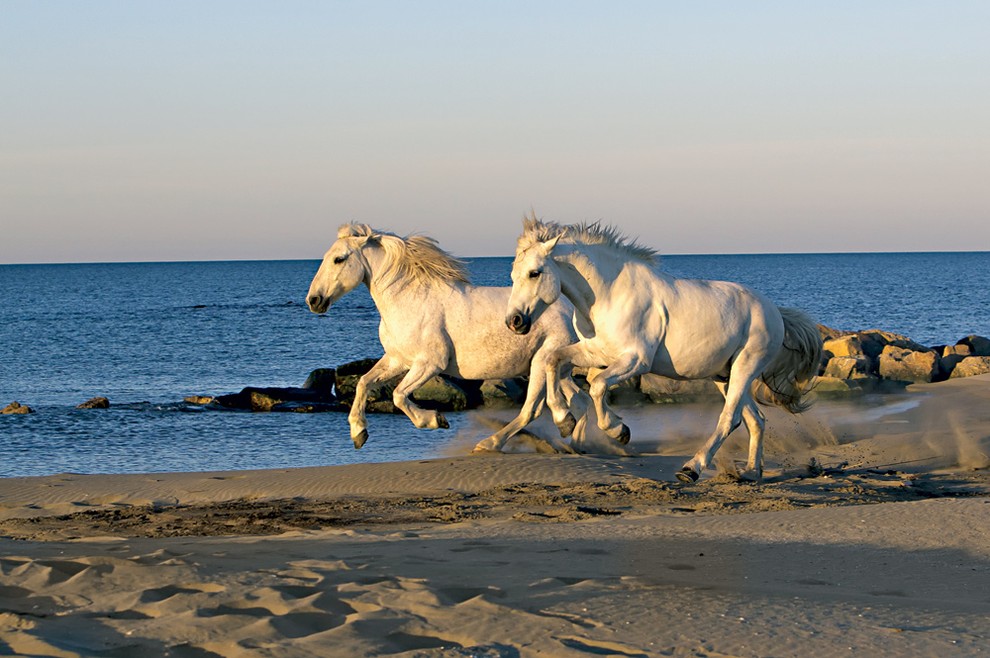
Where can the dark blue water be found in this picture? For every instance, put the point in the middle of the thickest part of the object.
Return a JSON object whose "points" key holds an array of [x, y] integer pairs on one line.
{"points": [[146, 335]]}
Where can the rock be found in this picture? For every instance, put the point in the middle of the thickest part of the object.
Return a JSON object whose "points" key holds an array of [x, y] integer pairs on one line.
{"points": [[874, 340], [322, 379], [264, 399], [441, 393], [844, 346], [830, 387], [664, 390], [346, 378], [828, 333], [503, 392], [978, 345], [971, 366], [16, 408], [848, 367], [959, 350], [95, 403], [907, 365], [199, 400]]}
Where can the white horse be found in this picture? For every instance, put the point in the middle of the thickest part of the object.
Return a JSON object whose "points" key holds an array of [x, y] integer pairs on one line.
{"points": [[633, 320], [433, 321]]}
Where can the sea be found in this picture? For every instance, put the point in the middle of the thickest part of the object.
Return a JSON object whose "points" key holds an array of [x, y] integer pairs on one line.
{"points": [[146, 335]]}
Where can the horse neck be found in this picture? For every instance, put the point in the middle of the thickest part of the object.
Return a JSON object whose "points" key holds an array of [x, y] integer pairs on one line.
{"points": [[386, 291], [585, 276]]}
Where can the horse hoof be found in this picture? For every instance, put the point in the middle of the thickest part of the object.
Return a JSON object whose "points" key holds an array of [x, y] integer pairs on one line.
{"points": [[624, 435], [360, 439], [687, 475], [442, 422], [567, 425]]}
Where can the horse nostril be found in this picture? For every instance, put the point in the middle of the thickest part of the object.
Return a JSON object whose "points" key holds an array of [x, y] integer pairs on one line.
{"points": [[515, 321], [314, 301]]}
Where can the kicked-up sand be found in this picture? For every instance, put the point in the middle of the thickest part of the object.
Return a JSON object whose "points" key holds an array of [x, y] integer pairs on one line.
{"points": [[880, 546]]}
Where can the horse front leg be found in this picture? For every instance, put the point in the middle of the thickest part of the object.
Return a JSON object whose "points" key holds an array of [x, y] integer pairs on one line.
{"points": [[418, 375], [628, 365], [560, 404], [385, 370]]}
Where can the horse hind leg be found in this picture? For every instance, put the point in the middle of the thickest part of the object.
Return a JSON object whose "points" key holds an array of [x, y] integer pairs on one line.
{"points": [[737, 396], [755, 425]]}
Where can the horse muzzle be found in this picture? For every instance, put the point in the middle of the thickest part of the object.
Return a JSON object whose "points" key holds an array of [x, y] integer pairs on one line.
{"points": [[519, 323], [318, 303]]}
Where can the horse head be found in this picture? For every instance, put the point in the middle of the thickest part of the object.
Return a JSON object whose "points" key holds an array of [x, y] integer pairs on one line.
{"points": [[344, 266], [535, 284]]}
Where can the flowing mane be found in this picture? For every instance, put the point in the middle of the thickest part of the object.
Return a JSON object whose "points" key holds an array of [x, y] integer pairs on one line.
{"points": [[536, 230], [415, 257]]}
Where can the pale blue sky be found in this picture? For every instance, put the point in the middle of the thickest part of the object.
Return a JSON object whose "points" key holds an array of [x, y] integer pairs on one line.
{"points": [[225, 130]]}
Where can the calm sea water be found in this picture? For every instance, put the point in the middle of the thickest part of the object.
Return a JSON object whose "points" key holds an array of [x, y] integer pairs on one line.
{"points": [[146, 335]]}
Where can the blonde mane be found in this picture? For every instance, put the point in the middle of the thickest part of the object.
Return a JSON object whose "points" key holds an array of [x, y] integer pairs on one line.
{"points": [[415, 257], [536, 230]]}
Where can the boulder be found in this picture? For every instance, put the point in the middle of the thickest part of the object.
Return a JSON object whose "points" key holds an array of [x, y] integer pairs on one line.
{"points": [[849, 367], [664, 390], [504, 392], [442, 393], [874, 341], [199, 400], [16, 408], [971, 366], [346, 378], [844, 346], [829, 333], [95, 403], [978, 345], [835, 387], [907, 365], [322, 379]]}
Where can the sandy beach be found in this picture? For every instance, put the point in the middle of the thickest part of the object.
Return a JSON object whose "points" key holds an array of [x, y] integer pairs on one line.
{"points": [[881, 547]]}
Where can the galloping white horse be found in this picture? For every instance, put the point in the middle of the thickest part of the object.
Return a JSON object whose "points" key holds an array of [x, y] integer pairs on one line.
{"points": [[433, 321], [633, 320]]}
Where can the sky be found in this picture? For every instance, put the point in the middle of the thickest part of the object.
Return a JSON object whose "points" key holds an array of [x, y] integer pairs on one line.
{"points": [[133, 130]]}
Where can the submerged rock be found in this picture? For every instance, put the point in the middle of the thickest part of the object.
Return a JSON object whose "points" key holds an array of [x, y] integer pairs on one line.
{"points": [[16, 408]]}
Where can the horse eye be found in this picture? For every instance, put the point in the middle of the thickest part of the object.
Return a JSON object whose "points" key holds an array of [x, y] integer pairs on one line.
{"points": [[339, 259], [535, 274]]}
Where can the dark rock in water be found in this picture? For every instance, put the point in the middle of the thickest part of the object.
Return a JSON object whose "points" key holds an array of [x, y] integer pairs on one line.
{"points": [[978, 345], [199, 400], [95, 403], [829, 387], [16, 408], [441, 393], [346, 378], [264, 399], [971, 366], [322, 379], [907, 365]]}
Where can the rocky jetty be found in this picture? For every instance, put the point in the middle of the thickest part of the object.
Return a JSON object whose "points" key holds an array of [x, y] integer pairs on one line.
{"points": [[853, 363]]}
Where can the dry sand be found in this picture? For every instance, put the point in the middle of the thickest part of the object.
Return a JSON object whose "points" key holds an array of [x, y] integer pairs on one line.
{"points": [[884, 549]]}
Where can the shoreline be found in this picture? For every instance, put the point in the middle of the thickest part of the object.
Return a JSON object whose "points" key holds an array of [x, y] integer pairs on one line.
{"points": [[527, 554]]}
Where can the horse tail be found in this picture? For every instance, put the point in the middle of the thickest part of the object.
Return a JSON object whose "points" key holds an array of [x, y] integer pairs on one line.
{"points": [[788, 379]]}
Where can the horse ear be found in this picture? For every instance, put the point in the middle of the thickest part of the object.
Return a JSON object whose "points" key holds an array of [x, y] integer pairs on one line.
{"points": [[548, 245], [365, 239]]}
